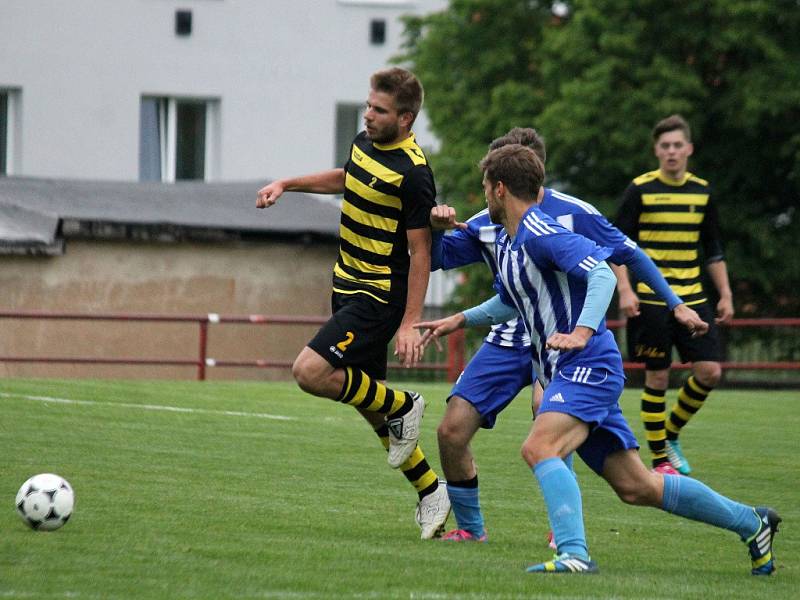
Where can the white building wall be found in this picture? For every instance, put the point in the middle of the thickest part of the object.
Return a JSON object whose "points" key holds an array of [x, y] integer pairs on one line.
{"points": [[278, 68]]}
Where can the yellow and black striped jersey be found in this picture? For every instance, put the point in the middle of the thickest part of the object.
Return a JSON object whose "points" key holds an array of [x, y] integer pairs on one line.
{"points": [[671, 221], [389, 189]]}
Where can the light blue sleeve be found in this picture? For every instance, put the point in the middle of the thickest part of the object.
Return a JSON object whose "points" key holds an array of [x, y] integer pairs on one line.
{"points": [[646, 270], [491, 312], [600, 285]]}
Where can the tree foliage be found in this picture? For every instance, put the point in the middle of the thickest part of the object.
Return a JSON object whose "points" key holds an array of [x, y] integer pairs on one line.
{"points": [[595, 82]]}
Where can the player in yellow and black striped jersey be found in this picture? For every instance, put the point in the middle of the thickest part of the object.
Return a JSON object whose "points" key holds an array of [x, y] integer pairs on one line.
{"points": [[671, 214], [379, 281], [389, 189]]}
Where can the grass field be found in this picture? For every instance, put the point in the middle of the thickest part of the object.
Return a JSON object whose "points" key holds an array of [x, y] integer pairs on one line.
{"points": [[254, 490]]}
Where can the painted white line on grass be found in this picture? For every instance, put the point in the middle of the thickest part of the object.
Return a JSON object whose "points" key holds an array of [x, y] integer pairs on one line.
{"points": [[178, 409]]}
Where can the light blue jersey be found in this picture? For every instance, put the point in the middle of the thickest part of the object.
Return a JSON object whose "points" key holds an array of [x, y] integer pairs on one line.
{"points": [[478, 242]]}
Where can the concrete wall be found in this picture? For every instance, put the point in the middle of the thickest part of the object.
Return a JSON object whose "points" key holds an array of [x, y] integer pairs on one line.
{"points": [[97, 277], [278, 68]]}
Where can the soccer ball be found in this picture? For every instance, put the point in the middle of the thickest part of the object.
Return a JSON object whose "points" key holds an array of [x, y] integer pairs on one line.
{"points": [[45, 502]]}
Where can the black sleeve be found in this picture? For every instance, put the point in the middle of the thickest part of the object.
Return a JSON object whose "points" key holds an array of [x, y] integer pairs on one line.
{"points": [[627, 220], [418, 196], [710, 236]]}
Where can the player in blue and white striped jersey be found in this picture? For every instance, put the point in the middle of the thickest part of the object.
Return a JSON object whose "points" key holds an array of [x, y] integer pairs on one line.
{"points": [[481, 393], [561, 286]]}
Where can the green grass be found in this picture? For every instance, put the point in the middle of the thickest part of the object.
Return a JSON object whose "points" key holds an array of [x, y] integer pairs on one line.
{"points": [[206, 504]]}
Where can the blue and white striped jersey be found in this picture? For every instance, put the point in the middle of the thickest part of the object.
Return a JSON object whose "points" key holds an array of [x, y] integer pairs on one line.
{"points": [[464, 247], [543, 272], [583, 218]]}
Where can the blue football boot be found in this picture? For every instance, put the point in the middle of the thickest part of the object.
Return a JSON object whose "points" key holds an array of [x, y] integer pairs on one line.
{"points": [[565, 563], [760, 544], [676, 457]]}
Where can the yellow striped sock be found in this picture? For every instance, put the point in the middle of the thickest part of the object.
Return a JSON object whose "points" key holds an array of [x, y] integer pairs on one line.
{"points": [[691, 398], [416, 468], [653, 414], [361, 391]]}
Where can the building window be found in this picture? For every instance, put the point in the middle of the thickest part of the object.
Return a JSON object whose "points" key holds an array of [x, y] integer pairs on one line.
{"points": [[3, 133], [177, 139], [377, 32], [349, 122], [9, 130], [183, 22]]}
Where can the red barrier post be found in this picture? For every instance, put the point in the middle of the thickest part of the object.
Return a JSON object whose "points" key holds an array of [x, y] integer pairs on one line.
{"points": [[455, 354], [201, 361]]}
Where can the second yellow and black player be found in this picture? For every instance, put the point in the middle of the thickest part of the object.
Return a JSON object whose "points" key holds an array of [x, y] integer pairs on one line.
{"points": [[675, 223]]}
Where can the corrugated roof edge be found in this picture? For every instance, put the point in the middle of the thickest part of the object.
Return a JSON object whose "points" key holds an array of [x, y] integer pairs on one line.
{"points": [[226, 206]]}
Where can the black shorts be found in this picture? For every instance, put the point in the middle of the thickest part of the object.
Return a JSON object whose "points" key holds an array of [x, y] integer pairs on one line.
{"points": [[655, 331], [358, 333]]}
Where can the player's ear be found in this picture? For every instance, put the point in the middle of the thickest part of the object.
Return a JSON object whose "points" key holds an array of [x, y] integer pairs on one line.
{"points": [[500, 189], [690, 149], [406, 120]]}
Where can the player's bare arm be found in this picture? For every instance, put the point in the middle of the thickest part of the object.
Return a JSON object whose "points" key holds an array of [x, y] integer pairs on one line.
{"points": [[628, 300], [444, 217], [576, 340], [718, 271], [324, 182], [433, 330], [407, 347]]}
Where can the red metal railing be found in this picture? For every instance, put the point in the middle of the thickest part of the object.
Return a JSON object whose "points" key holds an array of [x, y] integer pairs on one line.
{"points": [[452, 366], [733, 365]]}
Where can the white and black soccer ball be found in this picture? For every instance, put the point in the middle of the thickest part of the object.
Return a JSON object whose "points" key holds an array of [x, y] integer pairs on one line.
{"points": [[45, 502]]}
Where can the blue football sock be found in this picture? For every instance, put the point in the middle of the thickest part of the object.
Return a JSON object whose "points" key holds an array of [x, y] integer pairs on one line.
{"points": [[694, 500], [564, 508], [467, 509], [569, 461]]}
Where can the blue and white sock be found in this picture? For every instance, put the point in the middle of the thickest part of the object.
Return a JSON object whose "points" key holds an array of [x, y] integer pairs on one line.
{"points": [[564, 507], [694, 500], [467, 509]]}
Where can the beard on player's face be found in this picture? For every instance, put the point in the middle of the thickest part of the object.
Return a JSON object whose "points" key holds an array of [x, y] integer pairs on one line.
{"points": [[383, 135]]}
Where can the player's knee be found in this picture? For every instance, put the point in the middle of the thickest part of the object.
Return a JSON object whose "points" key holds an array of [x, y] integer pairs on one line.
{"points": [[445, 434], [657, 380], [303, 373], [710, 374], [450, 435]]}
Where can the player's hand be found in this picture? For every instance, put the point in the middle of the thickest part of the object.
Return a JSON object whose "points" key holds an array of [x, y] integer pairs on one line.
{"points": [[432, 330], [444, 217], [691, 320], [724, 310], [269, 194], [576, 340], [629, 303], [407, 346]]}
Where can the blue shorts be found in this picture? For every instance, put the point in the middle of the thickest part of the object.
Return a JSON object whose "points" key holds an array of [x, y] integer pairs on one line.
{"points": [[493, 378], [592, 395]]}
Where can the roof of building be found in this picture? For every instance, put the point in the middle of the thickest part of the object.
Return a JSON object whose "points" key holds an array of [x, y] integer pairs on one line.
{"points": [[38, 212]]}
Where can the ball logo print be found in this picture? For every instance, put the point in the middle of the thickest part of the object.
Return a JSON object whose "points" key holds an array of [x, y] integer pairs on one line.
{"points": [[45, 502]]}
